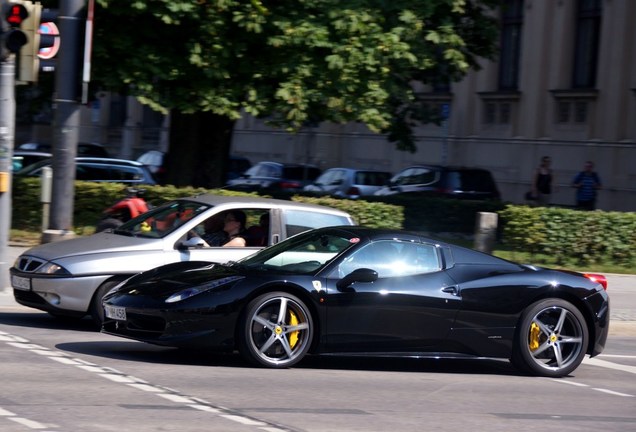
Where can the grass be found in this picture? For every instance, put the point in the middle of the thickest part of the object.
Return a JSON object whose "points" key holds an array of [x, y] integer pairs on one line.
{"points": [[32, 238]]}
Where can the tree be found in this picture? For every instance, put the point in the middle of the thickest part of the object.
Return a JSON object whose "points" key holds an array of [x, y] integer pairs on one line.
{"points": [[208, 62]]}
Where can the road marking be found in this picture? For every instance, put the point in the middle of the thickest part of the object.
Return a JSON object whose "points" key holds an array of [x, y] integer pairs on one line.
{"points": [[573, 383], [618, 356], [609, 365], [31, 424], [121, 378], [613, 392], [28, 423]]}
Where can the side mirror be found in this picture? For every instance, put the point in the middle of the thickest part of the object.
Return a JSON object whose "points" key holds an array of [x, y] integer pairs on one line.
{"points": [[358, 275], [192, 243]]}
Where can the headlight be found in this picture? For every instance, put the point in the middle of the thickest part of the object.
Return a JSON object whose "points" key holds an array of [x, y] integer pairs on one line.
{"points": [[190, 292], [53, 269]]}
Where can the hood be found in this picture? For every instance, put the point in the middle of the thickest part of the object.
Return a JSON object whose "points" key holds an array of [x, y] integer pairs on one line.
{"points": [[172, 278], [99, 243]]}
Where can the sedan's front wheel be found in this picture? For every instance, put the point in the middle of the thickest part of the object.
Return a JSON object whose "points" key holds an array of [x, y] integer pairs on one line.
{"points": [[551, 340], [276, 330]]}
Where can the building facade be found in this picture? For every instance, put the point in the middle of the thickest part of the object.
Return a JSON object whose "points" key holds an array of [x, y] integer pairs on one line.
{"points": [[564, 86]]}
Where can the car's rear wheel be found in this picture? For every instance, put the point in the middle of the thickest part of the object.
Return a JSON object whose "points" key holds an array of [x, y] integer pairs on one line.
{"points": [[276, 330], [551, 339]]}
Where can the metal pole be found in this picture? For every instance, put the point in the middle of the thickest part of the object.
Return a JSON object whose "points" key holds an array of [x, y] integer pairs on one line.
{"points": [[66, 120], [7, 137]]}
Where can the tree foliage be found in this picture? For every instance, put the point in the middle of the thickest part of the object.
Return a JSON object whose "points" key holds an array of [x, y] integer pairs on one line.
{"points": [[291, 61]]}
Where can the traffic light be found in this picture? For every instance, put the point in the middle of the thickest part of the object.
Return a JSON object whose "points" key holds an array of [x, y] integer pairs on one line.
{"points": [[43, 41], [13, 38]]}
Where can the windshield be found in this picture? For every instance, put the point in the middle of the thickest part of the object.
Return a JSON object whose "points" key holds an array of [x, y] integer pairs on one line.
{"points": [[305, 253], [161, 221]]}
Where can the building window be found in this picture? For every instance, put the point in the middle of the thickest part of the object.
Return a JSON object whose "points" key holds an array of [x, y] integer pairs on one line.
{"points": [[580, 112], [510, 51], [490, 113], [572, 111], [504, 113], [588, 28], [498, 112], [563, 112]]}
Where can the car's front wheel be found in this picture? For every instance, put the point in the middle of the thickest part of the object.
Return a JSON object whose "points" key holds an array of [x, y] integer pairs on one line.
{"points": [[276, 330], [97, 310], [551, 340]]}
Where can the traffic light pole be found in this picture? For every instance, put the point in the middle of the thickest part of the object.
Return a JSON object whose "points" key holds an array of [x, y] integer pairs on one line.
{"points": [[66, 121], [7, 134]]}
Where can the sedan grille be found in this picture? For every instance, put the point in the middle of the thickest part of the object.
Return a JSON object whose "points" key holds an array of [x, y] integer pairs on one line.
{"points": [[29, 264]]}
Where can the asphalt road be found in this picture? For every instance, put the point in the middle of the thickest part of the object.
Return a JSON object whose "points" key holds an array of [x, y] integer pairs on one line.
{"points": [[60, 376]]}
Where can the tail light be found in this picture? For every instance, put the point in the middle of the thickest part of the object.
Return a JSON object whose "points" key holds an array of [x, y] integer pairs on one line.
{"points": [[354, 191], [289, 185], [598, 278]]}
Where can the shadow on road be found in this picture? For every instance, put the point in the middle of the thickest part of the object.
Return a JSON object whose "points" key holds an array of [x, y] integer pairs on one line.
{"points": [[38, 319], [134, 351]]}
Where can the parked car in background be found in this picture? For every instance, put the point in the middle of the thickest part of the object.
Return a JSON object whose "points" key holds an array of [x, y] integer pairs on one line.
{"points": [[237, 166], [363, 291], [443, 181], [99, 170], [348, 182], [275, 177], [83, 148], [24, 158], [70, 277], [154, 159]]}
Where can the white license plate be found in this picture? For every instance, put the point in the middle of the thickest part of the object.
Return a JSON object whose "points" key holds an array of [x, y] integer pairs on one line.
{"points": [[115, 312], [21, 283]]}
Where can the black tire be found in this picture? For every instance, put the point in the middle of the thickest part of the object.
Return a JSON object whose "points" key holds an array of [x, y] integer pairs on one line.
{"points": [[551, 339], [109, 223], [96, 310], [275, 331]]}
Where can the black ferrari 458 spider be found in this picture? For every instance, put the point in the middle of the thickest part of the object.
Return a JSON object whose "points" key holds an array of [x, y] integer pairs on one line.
{"points": [[361, 291]]}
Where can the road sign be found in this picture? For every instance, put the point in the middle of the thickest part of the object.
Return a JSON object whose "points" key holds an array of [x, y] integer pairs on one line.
{"points": [[49, 29]]}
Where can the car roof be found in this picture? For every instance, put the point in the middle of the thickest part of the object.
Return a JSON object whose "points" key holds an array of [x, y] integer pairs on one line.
{"points": [[445, 167], [108, 161], [89, 159], [290, 164], [356, 170], [246, 201], [23, 152]]}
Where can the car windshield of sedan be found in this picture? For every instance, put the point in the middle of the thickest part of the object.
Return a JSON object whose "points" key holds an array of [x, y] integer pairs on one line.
{"points": [[302, 254], [161, 221]]}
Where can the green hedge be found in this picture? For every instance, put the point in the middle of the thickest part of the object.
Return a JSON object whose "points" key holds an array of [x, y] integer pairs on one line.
{"points": [[583, 237], [92, 198], [440, 215], [565, 235]]}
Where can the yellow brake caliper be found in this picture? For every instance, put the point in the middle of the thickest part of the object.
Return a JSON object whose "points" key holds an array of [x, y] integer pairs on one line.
{"points": [[293, 336], [534, 336]]}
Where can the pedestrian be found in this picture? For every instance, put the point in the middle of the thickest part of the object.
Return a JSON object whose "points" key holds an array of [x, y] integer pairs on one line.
{"points": [[587, 183], [542, 182]]}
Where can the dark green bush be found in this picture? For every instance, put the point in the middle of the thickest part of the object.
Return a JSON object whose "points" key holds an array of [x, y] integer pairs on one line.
{"points": [[92, 198], [582, 237]]}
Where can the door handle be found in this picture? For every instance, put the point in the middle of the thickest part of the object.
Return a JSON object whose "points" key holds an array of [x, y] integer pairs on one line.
{"points": [[452, 290]]}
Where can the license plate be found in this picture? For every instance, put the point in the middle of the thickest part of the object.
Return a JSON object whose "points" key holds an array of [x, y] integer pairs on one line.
{"points": [[21, 283], [115, 312]]}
